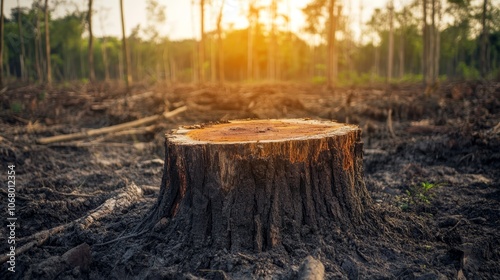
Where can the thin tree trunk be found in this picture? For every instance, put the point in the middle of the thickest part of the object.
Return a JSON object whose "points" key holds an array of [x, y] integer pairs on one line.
{"points": [[425, 32], [47, 43], [201, 50], [331, 42], [212, 60], [21, 40], [91, 44], [401, 55], [1, 42], [437, 45], [126, 57], [105, 60], [432, 43], [391, 44], [272, 45], [121, 71], [484, 40], [220, 46], [250, 43], [38, 53], [336, 46]]}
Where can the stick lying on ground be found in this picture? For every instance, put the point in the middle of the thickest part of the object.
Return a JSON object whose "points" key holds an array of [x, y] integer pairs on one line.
{"points": [[109, 129], [124, 199]]}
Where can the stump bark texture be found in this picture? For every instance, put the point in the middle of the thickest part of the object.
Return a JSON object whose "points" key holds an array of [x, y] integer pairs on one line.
{"points": [[247, 185]]}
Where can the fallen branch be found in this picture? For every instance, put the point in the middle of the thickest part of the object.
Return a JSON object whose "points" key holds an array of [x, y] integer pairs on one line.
{"points": [[109, 129], [130, 194]]}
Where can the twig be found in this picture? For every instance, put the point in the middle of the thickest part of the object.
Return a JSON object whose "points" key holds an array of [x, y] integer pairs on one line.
{"points": [[124, 199], [122, 238], [389, 123]]}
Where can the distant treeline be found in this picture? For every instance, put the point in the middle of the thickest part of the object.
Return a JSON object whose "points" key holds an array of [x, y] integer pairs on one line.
{"points": [[467, 39]]}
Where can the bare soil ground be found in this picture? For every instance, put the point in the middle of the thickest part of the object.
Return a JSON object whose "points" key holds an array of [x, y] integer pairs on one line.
{"points": [[432, 166]]}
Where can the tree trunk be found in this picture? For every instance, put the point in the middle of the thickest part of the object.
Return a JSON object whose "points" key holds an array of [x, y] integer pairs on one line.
{"points": [[126, 56], [331, 42], [201, 49], [437, 46], [484, 40], [91, 44], [272, 44], [220, 45], [432, 42], [47, 44], [249, 185], [425, 38], [1, 42], [21, 41], [390, 58], [105, 60], [38, 53]]}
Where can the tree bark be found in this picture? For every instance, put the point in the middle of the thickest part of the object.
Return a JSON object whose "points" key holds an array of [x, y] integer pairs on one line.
{"points": [[390, 58], [47, 44], [201, 49], [1, 42], [425, 38], [91, 44], [21, 41], [220, 45], [126, 56], [249, 185], [38, 52], [331, 42], [484, 40]]}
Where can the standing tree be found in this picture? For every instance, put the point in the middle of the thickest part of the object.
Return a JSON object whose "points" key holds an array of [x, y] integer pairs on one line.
{"points": [[253, 15], [1, 43], [38, 42], [220, 46], [330, 80], [484, 40], [126, 56], [425, 57], [273, 9], [104, 46], [47, 43], [21, 41], [201, 47], [391, 43], [91, 44]]}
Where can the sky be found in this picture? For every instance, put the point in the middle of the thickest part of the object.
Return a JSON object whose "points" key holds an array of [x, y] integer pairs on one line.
{"points": [[182, 22]]}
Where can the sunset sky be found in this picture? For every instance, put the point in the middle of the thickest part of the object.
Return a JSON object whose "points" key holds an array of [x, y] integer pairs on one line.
{"points": [[180, 17]]}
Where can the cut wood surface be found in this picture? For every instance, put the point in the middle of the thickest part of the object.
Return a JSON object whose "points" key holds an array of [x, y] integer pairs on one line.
{"points": [[109, 129], [254, 184]]}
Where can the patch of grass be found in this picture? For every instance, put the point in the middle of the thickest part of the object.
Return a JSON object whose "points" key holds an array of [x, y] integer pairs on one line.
{"points": [[16, 107], [420, 194]]}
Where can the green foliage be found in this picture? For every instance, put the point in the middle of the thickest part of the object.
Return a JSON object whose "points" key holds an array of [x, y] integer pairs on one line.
{"points": [[468, 72], [421, 194], [154, 57], [16, 107]]}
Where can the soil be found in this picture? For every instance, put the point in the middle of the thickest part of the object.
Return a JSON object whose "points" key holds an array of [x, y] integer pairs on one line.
{"points": [[434, 184]]}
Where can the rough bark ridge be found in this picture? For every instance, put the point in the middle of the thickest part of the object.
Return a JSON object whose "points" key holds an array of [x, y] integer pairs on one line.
{"points": [[249, 195]]}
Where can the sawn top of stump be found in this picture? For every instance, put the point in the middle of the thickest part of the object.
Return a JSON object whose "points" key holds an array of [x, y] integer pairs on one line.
{"points": [[251, 131]]}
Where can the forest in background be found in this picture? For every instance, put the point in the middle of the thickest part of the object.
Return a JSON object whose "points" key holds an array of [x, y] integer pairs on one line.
{"points": [[459, 39]]}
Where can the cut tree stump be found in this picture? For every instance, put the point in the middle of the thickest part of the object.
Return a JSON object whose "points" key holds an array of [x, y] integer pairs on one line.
{"points": [[247, 185]]}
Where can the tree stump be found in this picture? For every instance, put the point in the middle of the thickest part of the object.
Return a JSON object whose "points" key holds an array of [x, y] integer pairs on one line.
{"points": [[246, 185]]}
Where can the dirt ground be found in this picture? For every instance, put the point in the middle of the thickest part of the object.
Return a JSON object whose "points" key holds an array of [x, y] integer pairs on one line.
{"points": [[432, 167]]}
